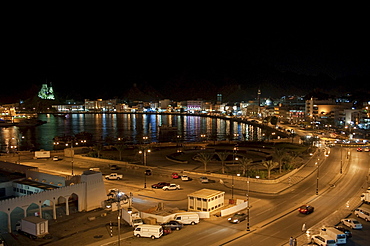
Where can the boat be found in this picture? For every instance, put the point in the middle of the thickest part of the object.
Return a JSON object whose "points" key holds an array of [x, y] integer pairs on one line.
{"points": [[30, 123]]}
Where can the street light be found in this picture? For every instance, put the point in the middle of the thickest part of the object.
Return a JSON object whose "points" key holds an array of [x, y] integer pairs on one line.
{"points": [[248, 207], [317, 176], [144, 152], [72, 154], [118, 196]]}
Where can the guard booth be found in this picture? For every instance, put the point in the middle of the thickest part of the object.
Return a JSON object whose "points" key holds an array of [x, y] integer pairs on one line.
{"points": [[206, 200]]}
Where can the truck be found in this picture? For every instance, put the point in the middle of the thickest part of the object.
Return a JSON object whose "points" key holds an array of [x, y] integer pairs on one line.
{"points": [[114, 176], [132, 216], [33, 227], [330, 231], [42, 154], [365, 198]]}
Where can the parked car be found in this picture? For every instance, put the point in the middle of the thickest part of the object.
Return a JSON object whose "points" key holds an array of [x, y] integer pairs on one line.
{"points": [[359, 149], [148, 172], [173, 225], [160, 185], [113, 167], [345, 230], [237, 218], [203, 179], [175, 176], [306, 209], [166, 231], [171, 187], [185, 178], [323, 240], [363, 213], [352, 223]]}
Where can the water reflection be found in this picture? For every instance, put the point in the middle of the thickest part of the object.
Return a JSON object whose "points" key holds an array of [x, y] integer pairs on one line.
{"points": [[131, 127]]}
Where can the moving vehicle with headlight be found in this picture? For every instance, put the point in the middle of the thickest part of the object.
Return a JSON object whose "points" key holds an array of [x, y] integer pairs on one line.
{"points": [[306, 209], [237, 218]]}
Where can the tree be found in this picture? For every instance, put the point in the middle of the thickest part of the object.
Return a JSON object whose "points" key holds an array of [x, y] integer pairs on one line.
{"points": [[274, 120], [205, 158], [279, 154], [222, 155], [120, 147], [98, 147], [245, 163], [269, 165]]}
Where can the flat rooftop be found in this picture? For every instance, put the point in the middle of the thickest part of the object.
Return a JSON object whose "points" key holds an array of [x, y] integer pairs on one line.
{"points": [[206, 193], [32, 183]]}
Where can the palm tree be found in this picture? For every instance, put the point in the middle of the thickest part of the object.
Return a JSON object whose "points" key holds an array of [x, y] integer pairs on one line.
{"points": [[205, 158], [222, 155], [245, 163], [120, 147], [279, 155], [269, 165], [98, 147]]}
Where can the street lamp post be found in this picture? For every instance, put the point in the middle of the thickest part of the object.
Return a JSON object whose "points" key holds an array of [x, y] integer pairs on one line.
{"points": [[72, 155], [317, 176], [118, 196], [341, 159], [248, 207], [144, 152]]}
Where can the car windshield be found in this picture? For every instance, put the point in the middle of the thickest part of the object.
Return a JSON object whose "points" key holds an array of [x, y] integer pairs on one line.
{"points": [[355, 222]]}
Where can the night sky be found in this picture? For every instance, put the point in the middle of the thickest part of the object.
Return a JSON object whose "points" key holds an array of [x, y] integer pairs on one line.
{"points": [[89, 63]]}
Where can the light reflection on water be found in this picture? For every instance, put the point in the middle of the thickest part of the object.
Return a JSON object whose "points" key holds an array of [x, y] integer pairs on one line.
{"points": [[132, 127]]}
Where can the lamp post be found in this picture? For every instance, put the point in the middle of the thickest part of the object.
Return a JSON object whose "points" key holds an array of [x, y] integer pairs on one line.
{"points": [[232, 176], [317, 176], [118, 196], [341, 159], [72, 154], [248, 207], [144, 152]]}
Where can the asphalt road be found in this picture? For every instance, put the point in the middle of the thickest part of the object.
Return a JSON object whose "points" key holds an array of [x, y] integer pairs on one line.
{"points": [[273, 218]]}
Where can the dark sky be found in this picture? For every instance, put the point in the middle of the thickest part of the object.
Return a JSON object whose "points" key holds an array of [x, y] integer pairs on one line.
{"points": [[90, 61]]}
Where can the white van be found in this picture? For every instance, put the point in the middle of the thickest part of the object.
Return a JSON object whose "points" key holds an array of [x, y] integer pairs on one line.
{"points": [[187, 218], [323, 240], [152, 231], [331, 232], [363, 213]]}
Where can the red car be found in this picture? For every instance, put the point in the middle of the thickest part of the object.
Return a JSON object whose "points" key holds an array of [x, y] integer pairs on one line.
{"points": [[359, 149], [306, 209], [175, 176], [160, 185]]}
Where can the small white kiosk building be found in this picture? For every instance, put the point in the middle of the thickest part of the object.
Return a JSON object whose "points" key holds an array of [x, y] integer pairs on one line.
{"points": [[206, 200]]}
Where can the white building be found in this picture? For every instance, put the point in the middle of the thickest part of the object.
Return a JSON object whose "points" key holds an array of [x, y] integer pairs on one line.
{"points": [[34, 193], [206, 200]]}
